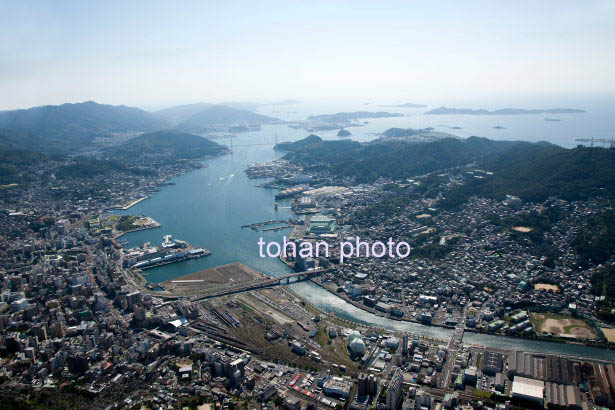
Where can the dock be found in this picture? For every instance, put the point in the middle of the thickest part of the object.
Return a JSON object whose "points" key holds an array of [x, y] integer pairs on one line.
{"points": [[130, 204], [257, 226], [277, 228]]}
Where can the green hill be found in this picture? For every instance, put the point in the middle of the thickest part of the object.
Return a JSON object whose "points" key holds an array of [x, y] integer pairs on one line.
{"points": [[169, 144], [532, 171], [538, 171], [87, 167], [69, 126], [391, 159], [14, 162], [298, 145]]}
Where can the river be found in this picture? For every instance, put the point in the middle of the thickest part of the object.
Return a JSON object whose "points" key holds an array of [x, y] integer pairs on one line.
{"points": [[207, 208]]}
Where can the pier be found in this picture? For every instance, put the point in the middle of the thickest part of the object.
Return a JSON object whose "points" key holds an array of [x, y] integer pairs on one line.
{"points": [[257, 226]]}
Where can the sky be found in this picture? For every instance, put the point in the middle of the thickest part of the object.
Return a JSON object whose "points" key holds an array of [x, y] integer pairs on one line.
{"points": [[154, 53]]}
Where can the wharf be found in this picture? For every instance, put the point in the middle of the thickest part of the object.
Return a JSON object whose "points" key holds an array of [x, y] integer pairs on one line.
{"points": [[187, 255], [277, 228], [258, 225], [130, 204]]}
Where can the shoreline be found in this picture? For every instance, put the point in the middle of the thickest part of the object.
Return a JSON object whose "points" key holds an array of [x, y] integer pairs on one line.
{"points": [[130, 204], [157, 225]]}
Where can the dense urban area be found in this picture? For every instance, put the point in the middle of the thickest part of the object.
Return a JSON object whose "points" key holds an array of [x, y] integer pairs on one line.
{"points": [[81, 326]]}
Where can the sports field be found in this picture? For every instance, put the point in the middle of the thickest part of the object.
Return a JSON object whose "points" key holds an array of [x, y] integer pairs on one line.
{"points": [[563, 326]]}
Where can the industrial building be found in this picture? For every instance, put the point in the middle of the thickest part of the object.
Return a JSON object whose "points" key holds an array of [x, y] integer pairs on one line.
{"points": [[528, 389], [492, 363], [563, 395]]}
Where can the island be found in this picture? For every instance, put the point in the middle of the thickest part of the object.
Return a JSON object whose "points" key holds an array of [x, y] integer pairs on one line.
{"points": [[350, 116], [502, 111], [344, 133], [405, 105]]}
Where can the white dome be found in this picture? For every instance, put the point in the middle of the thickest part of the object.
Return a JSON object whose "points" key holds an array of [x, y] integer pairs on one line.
{"points": [[357, 347], [353, 336]]}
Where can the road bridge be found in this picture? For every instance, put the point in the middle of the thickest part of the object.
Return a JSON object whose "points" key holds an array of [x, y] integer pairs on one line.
{"points": [[260, 284]]}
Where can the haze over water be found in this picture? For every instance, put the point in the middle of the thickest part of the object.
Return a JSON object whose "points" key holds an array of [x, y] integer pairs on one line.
{"points": [[598, 121]]}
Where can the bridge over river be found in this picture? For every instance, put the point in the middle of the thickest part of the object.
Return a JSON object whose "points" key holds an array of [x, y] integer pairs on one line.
{"points": [[259, 284]]}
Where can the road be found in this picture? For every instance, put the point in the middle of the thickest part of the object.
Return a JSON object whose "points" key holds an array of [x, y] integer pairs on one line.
{"points": [[453, 346]]}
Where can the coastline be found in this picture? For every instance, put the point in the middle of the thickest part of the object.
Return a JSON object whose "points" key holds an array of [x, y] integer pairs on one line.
{"points": [[130, 204], [153, 226]]}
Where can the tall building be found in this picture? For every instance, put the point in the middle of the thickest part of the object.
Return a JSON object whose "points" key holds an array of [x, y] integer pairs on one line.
{"points": [[133, 299], [404, 345], [368, 385], [395, 391], [77, 364], [58, 329]]}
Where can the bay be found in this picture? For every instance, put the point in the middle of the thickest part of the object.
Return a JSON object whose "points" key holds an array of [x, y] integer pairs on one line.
{"points": [[207, 208]]}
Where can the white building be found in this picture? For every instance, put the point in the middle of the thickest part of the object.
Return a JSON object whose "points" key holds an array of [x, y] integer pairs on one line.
{"points": [[528, 389]]}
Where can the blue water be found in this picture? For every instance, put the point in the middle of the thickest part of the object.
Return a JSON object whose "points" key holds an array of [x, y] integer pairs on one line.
{"points": [[598, 120], [207, 207]]}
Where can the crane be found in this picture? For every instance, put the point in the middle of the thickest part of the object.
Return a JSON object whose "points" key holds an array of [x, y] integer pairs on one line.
{"points": [[604, 141]]}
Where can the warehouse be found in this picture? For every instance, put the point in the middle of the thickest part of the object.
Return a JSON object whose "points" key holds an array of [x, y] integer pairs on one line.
{"points": [[528, 389]]}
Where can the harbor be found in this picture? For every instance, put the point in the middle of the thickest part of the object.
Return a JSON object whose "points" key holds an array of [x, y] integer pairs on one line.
{"points": [[237, 204]]}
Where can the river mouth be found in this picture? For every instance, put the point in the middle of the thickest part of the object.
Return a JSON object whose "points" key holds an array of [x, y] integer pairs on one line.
{"points": [[207, 208]]}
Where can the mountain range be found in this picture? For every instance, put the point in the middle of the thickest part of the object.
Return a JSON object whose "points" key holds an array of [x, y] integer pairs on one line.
{"points": [[532, 171], [70, 128]]}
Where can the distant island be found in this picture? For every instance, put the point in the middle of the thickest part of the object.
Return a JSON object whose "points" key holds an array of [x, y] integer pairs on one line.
{"points": [[405, 105], [285, 102], [499, 127], [238, 128], [502, 111], [344, 133], [552, 119], [221, 117], [349, 116]]}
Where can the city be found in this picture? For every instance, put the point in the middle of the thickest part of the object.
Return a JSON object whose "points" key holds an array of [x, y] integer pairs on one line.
{"points": [[262, 253]]}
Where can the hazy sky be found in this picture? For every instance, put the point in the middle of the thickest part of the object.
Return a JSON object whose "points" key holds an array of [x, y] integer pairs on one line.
{"points": [[150, 53]]}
